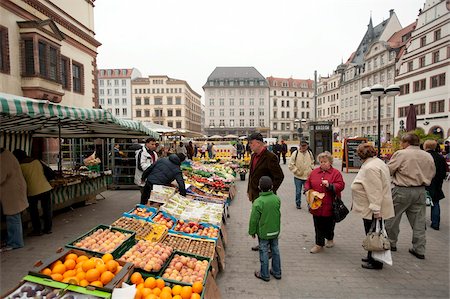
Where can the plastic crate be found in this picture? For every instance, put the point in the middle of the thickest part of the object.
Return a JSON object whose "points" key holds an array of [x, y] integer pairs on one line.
{"points": [[153, 273], [198, 257], [211, 243], [139, 223], [185, 239], [168, 216], [115, 252], [149, 209], [195, 235], [61, 253]]}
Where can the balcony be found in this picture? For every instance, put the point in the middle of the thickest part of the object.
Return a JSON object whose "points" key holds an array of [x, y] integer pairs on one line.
{"points": [[43, 89]]}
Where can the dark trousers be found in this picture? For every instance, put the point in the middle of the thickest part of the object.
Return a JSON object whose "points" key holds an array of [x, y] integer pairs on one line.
{"points": [[284, 157], [324, 227], [46, 205], [145, 194], [367, 225]]}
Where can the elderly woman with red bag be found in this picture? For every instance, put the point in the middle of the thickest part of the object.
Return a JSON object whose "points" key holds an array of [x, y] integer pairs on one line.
{"points": [[328, 180]]}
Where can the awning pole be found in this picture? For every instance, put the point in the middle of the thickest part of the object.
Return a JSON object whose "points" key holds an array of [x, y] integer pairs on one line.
{"points": [[60, 150]]}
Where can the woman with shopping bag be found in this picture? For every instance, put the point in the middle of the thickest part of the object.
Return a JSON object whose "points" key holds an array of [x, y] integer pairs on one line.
{"points": [[371, 195]]}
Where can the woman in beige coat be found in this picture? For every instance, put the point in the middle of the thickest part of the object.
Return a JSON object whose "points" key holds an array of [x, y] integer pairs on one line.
{"points": [[13, 198], [371, 194]]}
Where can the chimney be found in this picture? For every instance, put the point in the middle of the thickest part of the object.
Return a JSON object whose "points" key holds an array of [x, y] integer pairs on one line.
{"points": [[391, 12]]}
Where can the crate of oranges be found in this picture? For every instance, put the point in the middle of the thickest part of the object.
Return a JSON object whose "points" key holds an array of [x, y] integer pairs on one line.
{"points": [[77, 267], [148, 286]]}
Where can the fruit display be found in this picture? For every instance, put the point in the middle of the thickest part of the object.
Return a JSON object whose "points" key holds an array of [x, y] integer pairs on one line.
{"points": [[141, 227], [34, 290], [161, 193], [197, 229], [203, 248], [177, 242], [147, 255], [158, 288], [102, 240], [194, 210], [164, 219], [186, 269], [83, 270], [142, 211]]}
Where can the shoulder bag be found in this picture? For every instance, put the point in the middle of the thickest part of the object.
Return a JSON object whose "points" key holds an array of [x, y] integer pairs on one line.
{"points": [[376, 239], [340, 211]]}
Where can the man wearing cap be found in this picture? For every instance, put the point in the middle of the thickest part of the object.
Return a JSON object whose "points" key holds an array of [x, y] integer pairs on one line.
{"points": [[262, 163], [301, 165]]}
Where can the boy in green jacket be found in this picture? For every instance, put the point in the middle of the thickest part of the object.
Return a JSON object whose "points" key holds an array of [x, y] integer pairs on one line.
{"points": [[265, 222]]}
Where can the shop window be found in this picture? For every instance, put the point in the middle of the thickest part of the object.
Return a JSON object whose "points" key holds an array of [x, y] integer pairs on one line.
{"points": [[78, 77]]}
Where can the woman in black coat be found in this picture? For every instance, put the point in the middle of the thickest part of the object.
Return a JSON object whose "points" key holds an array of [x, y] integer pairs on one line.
{"points": [[435, 188]]}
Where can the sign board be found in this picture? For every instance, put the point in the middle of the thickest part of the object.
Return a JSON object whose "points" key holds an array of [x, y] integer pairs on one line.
{"points": [[350, 159]]}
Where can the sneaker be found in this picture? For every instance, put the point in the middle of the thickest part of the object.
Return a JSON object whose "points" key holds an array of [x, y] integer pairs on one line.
{"points": [[7, 248], [299, 207], [330, 243], [316, 249]]}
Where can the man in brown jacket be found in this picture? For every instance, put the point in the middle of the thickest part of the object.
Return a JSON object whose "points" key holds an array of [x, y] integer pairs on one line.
{"points": [[262, 163]]}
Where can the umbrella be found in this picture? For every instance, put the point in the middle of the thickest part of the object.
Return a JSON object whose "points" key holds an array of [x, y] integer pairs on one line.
{"points": [[411, 119], [215, 137], [231, 136]]}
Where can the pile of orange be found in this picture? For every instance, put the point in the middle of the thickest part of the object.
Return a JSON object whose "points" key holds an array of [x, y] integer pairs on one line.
{"points": [[83, 271], [152, 288]]}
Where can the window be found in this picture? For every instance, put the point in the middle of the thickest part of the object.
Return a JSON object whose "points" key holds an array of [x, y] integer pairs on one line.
{"points": [[241, 123], [275, 126], [419, 85], [138, 113], [178, 112], [251, 112], [422, 61], [404, 89], [178, 124], [124, 101], [241, 102], [170, 124], [241, 112], [65, 73], [4, 50], [77, 77], [124, 82], [221, 123], [117, 111], [211, 102], [423, 41], [274, 102], [211, 112], [438, 80], [282, 114], [102, 101], [221, 112], [437, 107], [261, 101], [158, 101], [178, 101], [124, 91], [435, 56], [169, 100], [169, 112], [420, 109], [147, 113], [42, 59], [109, 101], [410, 67], [251, 122], [231, 112], [116, 101], [437, 34], [138, 101], [158, 113], [252, 102], [231, 102], [221, 102]]}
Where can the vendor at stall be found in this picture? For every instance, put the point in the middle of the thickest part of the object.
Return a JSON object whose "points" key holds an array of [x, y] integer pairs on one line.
{"points": [[163, 172]]}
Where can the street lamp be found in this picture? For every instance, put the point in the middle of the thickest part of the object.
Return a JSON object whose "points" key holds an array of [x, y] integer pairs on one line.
{"points": [[379, 91]]}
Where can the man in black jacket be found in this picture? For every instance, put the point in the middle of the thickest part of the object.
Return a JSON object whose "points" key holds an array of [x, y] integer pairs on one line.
{"points": [[163, 172]]}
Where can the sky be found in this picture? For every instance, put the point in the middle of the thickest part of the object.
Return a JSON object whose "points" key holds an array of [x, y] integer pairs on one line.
{"points": [[187, 39]]}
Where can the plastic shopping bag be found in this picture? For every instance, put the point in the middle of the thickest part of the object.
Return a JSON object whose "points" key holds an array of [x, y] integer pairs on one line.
{"points": [[384, 256]]}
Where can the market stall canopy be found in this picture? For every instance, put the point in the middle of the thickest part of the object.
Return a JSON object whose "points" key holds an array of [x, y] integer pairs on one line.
{"points": [[164, 130], [215, 137], [43, 119], [231, 136]]}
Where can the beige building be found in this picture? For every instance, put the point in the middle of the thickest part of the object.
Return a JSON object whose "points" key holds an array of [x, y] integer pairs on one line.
{"points": [[328, 99], [290, 106], [424, 72], [372, 63], [166, 101], [48, 51]]}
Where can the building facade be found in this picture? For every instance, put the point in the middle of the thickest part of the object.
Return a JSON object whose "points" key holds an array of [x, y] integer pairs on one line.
{"points": [[166, 101], [290, 105], [236, 102], [48, 51], [328, 99], [372, 63], [423, 71], [114, 89]]}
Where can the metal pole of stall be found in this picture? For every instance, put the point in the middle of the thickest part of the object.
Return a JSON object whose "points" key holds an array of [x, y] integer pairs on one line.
{"points": [[60, 149], [379, 127]]}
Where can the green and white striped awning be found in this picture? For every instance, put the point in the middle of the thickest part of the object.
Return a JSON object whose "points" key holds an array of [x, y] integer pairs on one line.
{"points": [[42, 119]]}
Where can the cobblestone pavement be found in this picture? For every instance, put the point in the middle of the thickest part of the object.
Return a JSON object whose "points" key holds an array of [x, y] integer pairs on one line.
{"points": [[334, 273]]}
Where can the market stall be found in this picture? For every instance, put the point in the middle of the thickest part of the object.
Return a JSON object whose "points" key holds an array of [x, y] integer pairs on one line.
{"points": [[176, 247], [24, 120]]}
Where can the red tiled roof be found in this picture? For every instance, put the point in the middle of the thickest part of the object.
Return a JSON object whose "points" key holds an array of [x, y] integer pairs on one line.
{"points": [[396, 40], [290, 81], [350, 58]]}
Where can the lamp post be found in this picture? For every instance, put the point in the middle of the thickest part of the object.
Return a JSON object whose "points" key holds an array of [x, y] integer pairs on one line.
{"points": [[379, 91]]}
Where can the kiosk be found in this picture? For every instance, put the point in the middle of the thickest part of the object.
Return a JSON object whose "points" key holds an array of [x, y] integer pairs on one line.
{"points": [[320, 136]]}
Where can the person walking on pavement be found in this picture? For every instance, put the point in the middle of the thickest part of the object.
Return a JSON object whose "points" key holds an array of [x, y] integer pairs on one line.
{"points": [[262, 163], [13, 198], [301, 164], [163, 172], [371, 194], [38, 190], [411, 169], [189, 150], [265, 223], [240, 150], [328, 180], [145, 156], [248, 150], [284, 150], [435, 188], [277, 150], [203, 151]]}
